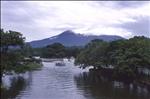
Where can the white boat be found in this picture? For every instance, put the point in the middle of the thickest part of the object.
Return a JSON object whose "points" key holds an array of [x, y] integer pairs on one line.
{"points": [[60, 64]]}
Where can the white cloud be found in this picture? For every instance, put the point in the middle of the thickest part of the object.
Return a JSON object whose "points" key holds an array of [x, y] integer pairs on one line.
{"points": [[42, 19]]}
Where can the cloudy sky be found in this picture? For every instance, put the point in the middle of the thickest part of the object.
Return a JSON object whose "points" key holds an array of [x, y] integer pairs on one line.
{"points": [[43, 19]]}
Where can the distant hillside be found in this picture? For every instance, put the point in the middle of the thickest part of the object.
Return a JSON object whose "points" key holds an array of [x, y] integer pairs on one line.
{"points": [[69, 38]]}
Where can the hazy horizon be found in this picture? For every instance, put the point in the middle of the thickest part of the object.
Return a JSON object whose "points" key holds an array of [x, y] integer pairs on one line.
{"points": [[42, 19]]}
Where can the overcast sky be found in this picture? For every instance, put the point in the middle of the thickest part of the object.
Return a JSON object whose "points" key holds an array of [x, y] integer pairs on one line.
{"points": [[43, 19]]}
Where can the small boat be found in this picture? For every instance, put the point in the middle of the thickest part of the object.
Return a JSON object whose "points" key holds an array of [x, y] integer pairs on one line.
{"points": [[60, 64]]}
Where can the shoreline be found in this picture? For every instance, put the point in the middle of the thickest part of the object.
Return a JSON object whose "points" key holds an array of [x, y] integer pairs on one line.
{"points": [[109, 74]]}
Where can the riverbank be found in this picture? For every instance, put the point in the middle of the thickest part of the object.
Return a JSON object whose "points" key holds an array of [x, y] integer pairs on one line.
{"points": [[27, 66], [32, 66], [140, 80]]}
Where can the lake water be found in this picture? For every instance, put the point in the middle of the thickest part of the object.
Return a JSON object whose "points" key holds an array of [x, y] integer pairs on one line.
{"points": [[68, 82]]}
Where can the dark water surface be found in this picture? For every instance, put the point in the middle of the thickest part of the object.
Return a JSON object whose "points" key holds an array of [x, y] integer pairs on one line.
{"points": [[68, 82]]}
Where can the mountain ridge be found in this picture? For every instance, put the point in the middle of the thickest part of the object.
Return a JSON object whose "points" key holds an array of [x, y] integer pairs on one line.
{"points": [[70, 38]]}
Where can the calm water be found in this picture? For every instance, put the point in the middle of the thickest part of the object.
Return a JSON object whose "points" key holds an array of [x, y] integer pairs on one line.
{"points": [[68, 82]]}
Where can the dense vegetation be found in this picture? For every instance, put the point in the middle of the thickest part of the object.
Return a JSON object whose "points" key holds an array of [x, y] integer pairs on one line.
{"points": [[56, 50], [13, 53], [125, 57]]}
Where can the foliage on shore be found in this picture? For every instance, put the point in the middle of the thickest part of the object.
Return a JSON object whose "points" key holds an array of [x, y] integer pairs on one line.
{"points": [[13, 53], [28, 66], [57, 50], [125, 57]]}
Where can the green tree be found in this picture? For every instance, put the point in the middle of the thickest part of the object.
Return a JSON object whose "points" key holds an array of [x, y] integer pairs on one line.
{"points": [[72, 51], [10, 40], [127, 56], [94, 54], [55, 50]]}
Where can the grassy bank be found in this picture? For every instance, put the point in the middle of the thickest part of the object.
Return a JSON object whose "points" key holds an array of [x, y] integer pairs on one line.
{"points": [[28, 66], [32, 66]]}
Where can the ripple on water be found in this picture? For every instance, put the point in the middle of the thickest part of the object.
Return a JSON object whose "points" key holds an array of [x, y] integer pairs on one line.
{"points": [[71, 82]]}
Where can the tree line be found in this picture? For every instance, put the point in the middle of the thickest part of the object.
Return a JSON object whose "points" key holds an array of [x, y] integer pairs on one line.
{"points": [[57, 50], [125, 57], [14, 51]]}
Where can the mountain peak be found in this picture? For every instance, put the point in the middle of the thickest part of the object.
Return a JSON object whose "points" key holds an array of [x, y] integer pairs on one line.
{"points": [[67, 32], [70, 38]]}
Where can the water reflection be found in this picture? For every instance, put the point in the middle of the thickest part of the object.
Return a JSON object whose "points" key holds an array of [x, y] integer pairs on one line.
{"points": [[17, 84], [97, 87], [69, 82]]}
